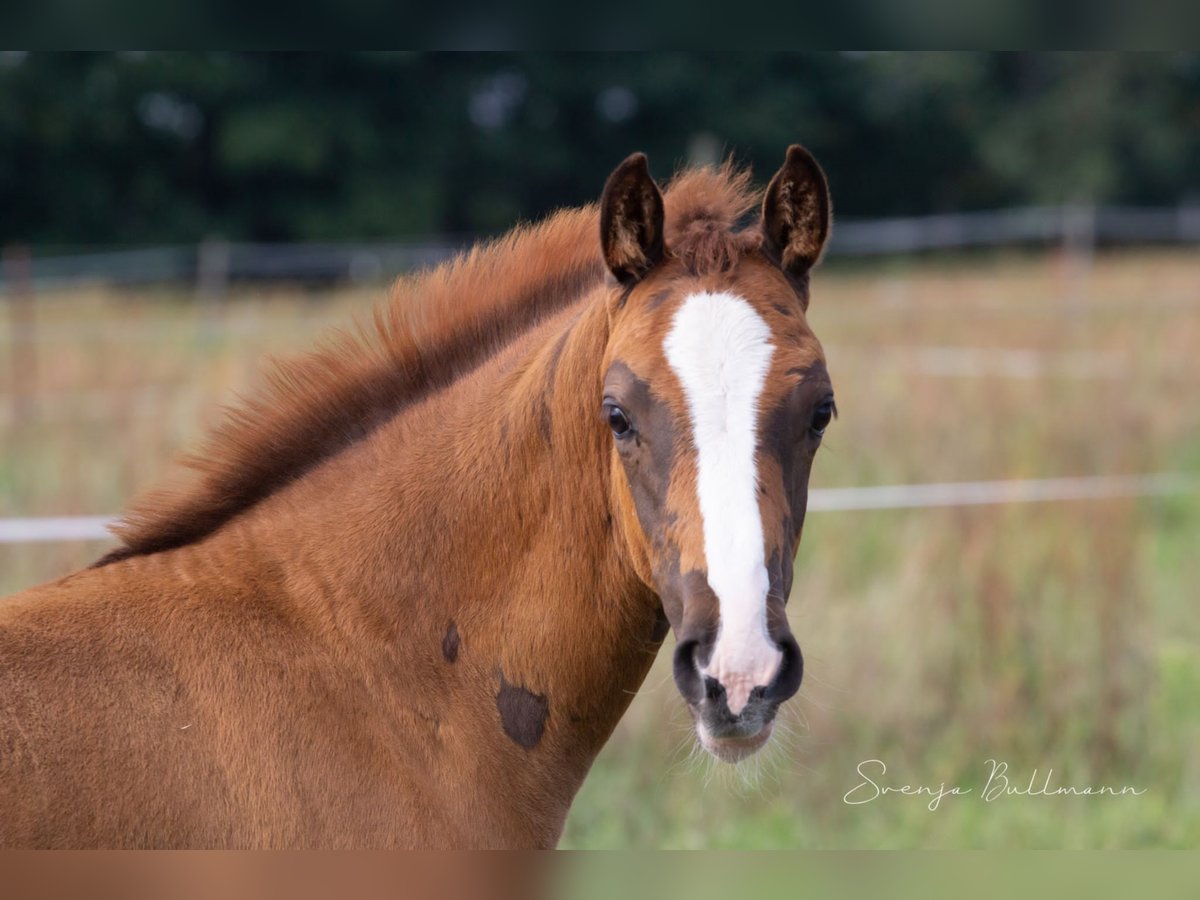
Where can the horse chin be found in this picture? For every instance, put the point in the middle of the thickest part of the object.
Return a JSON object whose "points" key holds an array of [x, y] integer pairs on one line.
{"points": [[733, 749]]}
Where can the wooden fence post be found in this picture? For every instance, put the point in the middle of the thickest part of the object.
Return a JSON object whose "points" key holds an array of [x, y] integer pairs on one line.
{"points": [[212, 281], [1079, 251]]}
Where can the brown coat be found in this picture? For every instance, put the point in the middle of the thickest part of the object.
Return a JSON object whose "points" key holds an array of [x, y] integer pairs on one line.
{"points": [[402, 598]]}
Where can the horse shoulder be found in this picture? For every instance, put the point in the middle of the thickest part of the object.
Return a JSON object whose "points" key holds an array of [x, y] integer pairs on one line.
{"points": [[102, 680]]}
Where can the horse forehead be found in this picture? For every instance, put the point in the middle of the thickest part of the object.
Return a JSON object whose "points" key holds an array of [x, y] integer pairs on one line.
{"points": [[722, 339], [642, 343]]}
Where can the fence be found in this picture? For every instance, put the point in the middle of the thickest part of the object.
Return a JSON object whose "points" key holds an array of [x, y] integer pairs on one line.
{"points": [[213, 263], [847, 499]]}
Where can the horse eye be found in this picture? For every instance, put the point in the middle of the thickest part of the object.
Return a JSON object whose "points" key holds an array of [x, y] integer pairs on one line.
{"points": [[821, 417], [618, 421]]}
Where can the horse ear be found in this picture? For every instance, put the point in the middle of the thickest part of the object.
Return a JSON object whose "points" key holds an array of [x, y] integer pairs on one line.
{"points": [[631, 221], [796, 213]]}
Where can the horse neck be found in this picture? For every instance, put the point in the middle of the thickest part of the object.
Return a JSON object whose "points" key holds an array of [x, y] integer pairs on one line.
{"points": [[473, 535]]}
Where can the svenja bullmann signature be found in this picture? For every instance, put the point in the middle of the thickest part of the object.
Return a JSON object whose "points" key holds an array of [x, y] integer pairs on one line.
{"points": [[998, 785]]}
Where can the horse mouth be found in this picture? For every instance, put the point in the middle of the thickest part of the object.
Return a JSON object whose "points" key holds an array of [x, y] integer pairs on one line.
{"points": [[734, 749]]}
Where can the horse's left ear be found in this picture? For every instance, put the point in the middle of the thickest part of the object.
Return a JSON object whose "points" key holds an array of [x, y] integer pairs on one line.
{"points": [[631, 221], [796, 213]]}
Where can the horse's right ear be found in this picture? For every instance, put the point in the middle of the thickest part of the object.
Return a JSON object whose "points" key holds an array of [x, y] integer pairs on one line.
{"points": [[795, 215], [631, 221]]}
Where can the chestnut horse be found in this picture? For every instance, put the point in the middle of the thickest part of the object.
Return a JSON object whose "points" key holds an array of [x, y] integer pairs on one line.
{"points": [[402, 598]]}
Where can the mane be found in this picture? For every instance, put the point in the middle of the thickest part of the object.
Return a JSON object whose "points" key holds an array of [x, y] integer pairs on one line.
{"points": [[434, 327], [703, 209]]}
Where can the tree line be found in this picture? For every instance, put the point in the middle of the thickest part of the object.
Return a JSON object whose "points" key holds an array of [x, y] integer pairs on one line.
{"points": [[134, 148]]}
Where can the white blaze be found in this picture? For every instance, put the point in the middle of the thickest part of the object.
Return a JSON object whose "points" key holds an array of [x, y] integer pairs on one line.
{"points": [[720, 350]]}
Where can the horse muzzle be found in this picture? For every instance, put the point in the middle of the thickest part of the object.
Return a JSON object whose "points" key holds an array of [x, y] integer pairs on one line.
{"points": [[728, 734]]}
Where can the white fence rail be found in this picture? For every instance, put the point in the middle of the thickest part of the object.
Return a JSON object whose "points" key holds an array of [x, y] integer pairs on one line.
{"points": [[894, 496], [1074, 226], [213, 263]]}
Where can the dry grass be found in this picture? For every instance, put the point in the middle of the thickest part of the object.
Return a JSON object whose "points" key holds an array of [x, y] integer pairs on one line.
{"points": [[1047, 635]]}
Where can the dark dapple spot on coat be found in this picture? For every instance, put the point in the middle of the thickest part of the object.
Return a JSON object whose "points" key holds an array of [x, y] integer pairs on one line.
{"points": [[450, 644], [522, 713]]}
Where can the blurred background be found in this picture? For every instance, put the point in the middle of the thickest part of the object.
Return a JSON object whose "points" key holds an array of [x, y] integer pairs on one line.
{"points": [[1012, 294]]}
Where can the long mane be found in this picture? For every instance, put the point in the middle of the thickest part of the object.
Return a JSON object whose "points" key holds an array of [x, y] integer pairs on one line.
{"points": [[433, 328]]}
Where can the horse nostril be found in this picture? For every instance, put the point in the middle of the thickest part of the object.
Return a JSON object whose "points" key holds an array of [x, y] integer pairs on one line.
{"points": [[687, 676], [713, 691], [791, 671]]}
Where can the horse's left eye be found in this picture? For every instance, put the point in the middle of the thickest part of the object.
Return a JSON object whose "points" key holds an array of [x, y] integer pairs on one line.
{"points": [[822, 415], [618, 421]]}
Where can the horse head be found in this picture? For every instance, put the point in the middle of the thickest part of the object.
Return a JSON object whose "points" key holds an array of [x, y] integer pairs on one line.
{"points": [[716, 394]]}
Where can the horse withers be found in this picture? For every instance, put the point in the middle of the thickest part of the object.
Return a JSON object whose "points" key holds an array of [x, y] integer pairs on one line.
{"points": [[402, 597]]}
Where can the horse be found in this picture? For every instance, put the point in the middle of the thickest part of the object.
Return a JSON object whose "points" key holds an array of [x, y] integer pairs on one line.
{"points": [[402, 595]]}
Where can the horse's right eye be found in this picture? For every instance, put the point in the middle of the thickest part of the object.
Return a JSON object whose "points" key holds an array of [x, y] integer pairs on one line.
{"points": [[822, 416], [618, 421]]}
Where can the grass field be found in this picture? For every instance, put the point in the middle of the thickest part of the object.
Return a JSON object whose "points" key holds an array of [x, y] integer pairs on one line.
{"points": [[1055, 635]]}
